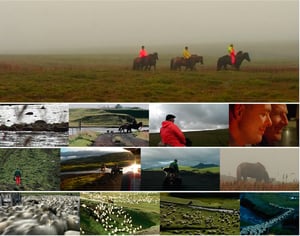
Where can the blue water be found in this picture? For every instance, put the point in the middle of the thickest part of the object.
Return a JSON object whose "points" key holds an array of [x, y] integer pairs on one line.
{"points": [[249, 216]]}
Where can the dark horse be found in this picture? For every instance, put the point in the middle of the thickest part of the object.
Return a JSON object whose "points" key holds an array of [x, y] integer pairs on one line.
{"points": [[129, 126], [226, 60], [190, 63], [145, 63]]}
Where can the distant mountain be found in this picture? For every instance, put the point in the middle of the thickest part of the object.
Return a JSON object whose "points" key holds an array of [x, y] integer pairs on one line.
{"points": [[202, 165]]}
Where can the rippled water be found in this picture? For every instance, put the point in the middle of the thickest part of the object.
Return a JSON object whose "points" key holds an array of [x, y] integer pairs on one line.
{"points": [[17, 114], [33, 139], [73, 131]]}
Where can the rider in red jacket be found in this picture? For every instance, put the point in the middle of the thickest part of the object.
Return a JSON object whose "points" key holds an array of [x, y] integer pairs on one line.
{"points": [[170, 134]]}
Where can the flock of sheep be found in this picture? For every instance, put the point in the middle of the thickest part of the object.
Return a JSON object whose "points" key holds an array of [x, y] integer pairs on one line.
{"points": [[113, 219], [262, 228], [41, 215], [198, 220]]}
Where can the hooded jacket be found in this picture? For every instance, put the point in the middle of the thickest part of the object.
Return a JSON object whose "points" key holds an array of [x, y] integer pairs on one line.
{"points": [[171, 135]]}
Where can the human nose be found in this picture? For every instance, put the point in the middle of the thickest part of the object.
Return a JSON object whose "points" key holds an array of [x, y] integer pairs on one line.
{"points": [[268, 121], [284, 119]]}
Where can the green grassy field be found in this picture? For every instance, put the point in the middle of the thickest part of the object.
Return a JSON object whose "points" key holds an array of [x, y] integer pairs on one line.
{"points": [[180, 215], [110, 78]]}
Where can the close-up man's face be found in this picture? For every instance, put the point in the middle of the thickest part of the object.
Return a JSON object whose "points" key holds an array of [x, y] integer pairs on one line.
{"points": [[254, 121], [279, 119]]}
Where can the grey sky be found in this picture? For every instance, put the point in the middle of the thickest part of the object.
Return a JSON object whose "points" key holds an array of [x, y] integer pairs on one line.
{"points": [[190, 117], [161, 157], [277, 161], [59, 25]]}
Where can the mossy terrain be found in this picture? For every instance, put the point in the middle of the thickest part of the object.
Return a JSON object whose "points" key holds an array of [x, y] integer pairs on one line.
{"points": [[40, 169]]}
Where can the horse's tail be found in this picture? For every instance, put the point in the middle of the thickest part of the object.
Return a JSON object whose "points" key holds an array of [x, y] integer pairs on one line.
{"points": [[171, 63], [219, 64]]}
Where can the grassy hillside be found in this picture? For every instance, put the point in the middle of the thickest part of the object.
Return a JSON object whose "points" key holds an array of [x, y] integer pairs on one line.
{"points": [[200, 138], [130, 213], [40, 169], [106, 118], [94, 162]]}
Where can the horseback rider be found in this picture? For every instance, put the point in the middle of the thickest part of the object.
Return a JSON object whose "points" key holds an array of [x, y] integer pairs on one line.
{"points": [[231, 52], [174, 168], [187, 55], [170, 133], [143, 52], [142, 55]]}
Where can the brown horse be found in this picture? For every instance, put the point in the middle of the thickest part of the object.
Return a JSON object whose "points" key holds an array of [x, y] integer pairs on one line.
{"points": [[145, 63], [190, 63], [150, 60]]}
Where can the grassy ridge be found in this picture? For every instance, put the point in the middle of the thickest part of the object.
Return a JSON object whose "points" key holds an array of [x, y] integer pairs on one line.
{"points": [[108, 78], [214, 202], [94, 162], [213, 170], [200, 138], [106, 117]]}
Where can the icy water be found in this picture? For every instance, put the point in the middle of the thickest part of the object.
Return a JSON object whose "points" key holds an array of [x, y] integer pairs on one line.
{"points": [[33, 139], [17, 114]]}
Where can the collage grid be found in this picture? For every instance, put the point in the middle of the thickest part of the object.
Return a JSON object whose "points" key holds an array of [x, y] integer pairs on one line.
{"points": [[133, 189], [149, 117]]}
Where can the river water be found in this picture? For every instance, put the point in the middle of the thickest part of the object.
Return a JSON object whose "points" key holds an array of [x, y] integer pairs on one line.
{"points": [[33, 139], [74, 131]]}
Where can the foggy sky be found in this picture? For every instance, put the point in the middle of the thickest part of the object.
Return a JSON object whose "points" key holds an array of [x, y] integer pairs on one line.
{"points": [[59, 25], [161, 157], [277, 161], [190, 117]]}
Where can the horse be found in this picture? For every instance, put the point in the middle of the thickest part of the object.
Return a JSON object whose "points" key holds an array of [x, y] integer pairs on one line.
{"points": [[137, 63], [124, 127], [145, 63], [129, 126], [150, 60], [190, 63], [226, 60]]}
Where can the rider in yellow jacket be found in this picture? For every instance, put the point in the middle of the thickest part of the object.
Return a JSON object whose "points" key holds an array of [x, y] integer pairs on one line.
{"points": [[186, 53]]}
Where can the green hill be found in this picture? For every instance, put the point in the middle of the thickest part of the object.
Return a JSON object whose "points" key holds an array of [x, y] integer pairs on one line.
{"points": [[39, 167], [106, 117]]}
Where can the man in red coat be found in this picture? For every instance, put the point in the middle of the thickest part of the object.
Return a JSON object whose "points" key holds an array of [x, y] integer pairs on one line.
{"points": [[170, 134]]}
